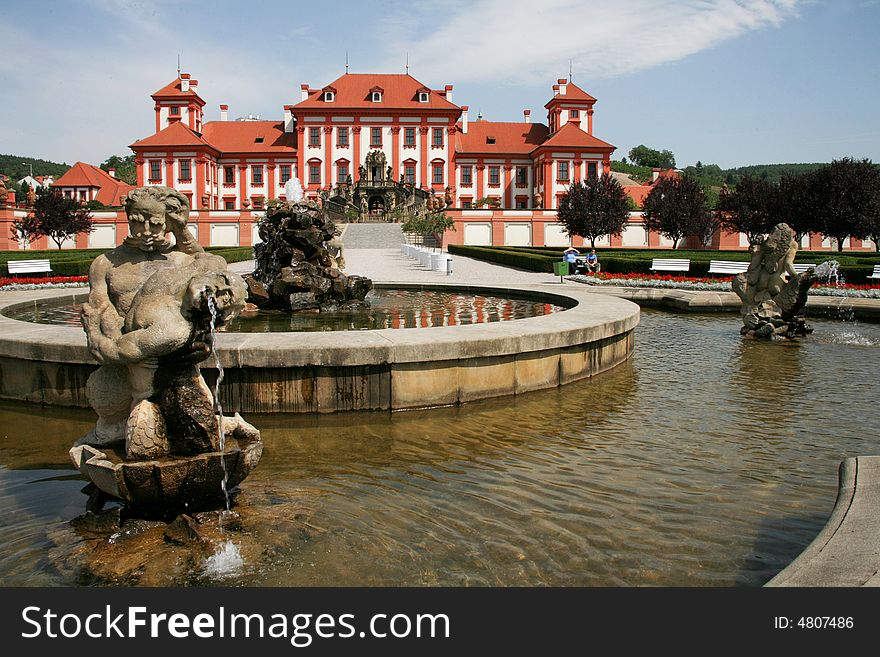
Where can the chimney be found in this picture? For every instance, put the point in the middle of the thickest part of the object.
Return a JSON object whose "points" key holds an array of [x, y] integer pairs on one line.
{"points": [[304, 90], [464, 118], [184, 82], [112, 172], [655, 173], [224, 112], [555, 89], [448, 88], [527, 115], [288, 118], [193, 85], [563, 84]]}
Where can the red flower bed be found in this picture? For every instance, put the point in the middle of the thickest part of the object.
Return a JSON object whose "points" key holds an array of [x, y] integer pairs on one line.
{"points": [[7, 280], [664, 277]]}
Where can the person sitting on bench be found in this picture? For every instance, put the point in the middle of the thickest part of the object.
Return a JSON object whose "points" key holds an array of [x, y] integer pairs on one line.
{"points": [[570, 256], [593, 265]]}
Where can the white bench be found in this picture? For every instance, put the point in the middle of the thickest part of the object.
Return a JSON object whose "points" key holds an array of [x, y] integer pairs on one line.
{"points": [[670, 264], [876, 272], [801, 267], [731, 267], [28, 266]]}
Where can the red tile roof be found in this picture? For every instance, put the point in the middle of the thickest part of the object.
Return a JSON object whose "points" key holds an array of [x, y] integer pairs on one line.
{"points": [[638, 192], [87, 175], [242, 136], [516, 138], [173, 89], [572, 92], [571, 136], [176, 134], [353, 90]]}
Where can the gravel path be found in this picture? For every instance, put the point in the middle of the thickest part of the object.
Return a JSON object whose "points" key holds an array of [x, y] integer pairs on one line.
{"points": [[390, 265]]}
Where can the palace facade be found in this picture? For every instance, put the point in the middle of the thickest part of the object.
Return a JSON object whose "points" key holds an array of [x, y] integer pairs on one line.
{"points": [[501, 181]]}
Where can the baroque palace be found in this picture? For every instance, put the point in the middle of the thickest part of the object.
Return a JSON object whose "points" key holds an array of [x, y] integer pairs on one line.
{"points": [[372, 139], [503, 180]]}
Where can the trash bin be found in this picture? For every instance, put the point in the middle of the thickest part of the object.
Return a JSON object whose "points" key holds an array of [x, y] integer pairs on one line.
{"points": [[560, 269], [448, 264]]}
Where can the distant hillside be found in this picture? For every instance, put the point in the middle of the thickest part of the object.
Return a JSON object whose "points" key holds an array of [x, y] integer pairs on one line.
{"points": [[772, 172], [16, 167]]}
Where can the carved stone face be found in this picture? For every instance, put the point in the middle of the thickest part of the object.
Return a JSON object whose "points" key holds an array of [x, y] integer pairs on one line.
{"points": [[146, 225], [226, 291]]}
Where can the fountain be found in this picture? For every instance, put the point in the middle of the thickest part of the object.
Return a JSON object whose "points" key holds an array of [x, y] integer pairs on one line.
{"points": [[295, 270], [159, 443]]}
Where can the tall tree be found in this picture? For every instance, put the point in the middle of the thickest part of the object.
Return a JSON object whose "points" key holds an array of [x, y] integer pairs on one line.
{"points": [[750, 208], [649, 157], [676, 208], [798, 204], [56, 216], [126, 169], [846, 194], [594, 208]]}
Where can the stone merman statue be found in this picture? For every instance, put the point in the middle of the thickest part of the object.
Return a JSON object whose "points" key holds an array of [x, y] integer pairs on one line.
{"points": [[146, 322], [772, 292]]}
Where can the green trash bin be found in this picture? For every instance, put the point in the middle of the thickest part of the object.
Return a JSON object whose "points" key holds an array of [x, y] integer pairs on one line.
{"points": [[560, 269]]}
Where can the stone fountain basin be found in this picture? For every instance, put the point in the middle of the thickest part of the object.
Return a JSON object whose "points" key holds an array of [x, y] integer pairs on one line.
{"points": [[383, 369], [170, 483]]}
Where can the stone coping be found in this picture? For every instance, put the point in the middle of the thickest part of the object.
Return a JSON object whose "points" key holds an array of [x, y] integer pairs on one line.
{"points": [[846, 552], [589, 318], [707, 301]]}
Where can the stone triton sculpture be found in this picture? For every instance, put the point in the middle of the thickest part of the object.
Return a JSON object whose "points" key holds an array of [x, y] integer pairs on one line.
{"points": [[773, 294], [149, 320]]}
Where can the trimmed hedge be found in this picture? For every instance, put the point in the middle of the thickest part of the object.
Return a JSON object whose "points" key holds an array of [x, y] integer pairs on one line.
{"points": [[522, 260], [855, 267], [76, 262]]}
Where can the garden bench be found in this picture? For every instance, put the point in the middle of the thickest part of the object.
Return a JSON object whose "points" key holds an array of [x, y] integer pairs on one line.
{"points": [[876, 272], [670, 264], [730, 267], [28, 266]]}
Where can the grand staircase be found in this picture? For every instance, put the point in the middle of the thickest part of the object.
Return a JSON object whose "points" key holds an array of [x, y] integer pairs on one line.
{"points": [[372, 236]]}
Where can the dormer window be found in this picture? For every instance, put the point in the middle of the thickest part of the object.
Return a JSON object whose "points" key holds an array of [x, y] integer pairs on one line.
{"points": [[258, 140], [423, 96], [329, 96], [490, 140], [376, 96]]}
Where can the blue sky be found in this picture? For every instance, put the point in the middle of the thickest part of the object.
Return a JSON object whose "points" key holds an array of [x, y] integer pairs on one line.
{"points": [[720, 81]]}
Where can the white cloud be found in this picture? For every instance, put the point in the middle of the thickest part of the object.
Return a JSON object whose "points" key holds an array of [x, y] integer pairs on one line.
{"points": [[90, 98], [528, 41]]}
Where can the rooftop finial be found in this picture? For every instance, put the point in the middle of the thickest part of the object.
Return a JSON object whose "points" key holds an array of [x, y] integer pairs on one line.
{"points": [[407, 63], [178, 65], [569, 70], [346, 62]]}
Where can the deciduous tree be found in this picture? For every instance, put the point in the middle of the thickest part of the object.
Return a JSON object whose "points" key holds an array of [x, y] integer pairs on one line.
{"points": [[56, 216], [676, 208], [846, 195], [594, 208], [752, 207], [649, 157], [126, 169]]}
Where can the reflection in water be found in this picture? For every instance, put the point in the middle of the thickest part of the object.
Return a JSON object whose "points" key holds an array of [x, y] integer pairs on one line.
{"points": [[389, 308], [689, 465]]}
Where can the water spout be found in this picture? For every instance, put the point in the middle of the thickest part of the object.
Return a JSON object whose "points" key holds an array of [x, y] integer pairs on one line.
{"points": [[218, 409]]}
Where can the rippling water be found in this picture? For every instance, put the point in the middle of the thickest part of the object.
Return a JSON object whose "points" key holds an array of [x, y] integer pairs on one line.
{"points": [[705, 460], [389, 308]]}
